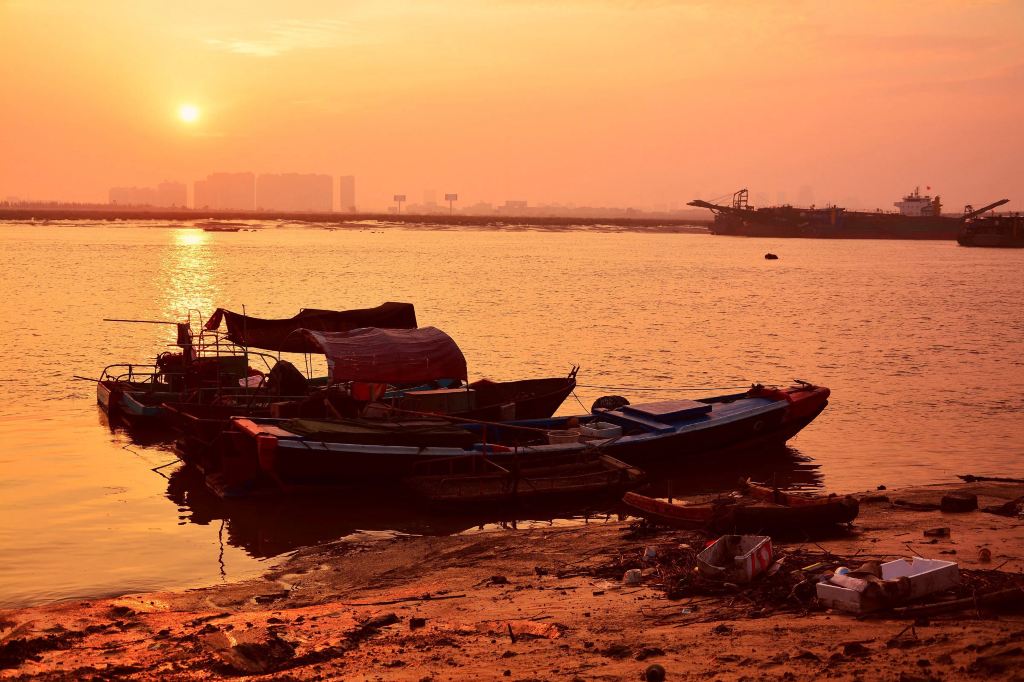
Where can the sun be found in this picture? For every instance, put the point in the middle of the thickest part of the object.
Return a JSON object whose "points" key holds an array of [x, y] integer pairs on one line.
{"points": [[188, 113]]}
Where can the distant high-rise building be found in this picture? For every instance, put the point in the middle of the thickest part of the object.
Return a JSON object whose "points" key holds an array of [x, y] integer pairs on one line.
{"points": [[347, 195], [172, 194], [133, 196], [166, 194], [306, 192], [202, 195], [226, 191]]}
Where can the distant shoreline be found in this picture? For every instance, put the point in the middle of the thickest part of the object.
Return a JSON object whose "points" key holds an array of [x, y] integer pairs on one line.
{"points": [[116, 214]]}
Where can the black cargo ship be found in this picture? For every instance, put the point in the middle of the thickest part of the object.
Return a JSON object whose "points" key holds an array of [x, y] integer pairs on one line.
{"points": [[919, 217]]}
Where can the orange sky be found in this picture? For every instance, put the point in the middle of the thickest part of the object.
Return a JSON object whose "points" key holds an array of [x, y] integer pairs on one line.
{"points": [[593, 102]]}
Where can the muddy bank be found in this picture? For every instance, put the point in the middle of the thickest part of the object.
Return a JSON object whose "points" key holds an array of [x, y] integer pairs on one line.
{"points": [[543, 604]]}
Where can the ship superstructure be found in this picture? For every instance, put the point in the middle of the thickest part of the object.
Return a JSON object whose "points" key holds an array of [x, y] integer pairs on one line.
{"points": [[916, 205]]}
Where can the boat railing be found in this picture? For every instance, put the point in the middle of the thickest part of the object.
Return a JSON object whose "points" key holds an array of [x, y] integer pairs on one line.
{"points": [[133, 373], [214, 343]]}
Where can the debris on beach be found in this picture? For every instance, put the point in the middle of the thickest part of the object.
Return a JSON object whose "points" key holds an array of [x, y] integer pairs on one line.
{"points": [[789, 583]]}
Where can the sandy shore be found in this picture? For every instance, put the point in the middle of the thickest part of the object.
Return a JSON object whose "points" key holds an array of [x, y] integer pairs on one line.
{"points": [[538, 604]]}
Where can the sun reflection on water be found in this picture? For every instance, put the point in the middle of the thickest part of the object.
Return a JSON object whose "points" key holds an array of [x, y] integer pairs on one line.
{"points": [[186, 280]]}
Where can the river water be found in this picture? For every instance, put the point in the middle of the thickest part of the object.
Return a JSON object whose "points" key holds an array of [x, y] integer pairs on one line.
{"points": [[922, 344]]}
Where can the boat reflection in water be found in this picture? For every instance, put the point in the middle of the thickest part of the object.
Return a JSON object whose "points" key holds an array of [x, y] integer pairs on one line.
{"points": [[266, 527], [784, 467]]}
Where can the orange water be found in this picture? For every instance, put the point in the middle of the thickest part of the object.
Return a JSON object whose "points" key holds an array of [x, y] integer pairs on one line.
{"points": [[922, 344]]}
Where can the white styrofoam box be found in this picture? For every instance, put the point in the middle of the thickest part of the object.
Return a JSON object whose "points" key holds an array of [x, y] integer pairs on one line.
{"points": [[600, 430], [926, 576]]}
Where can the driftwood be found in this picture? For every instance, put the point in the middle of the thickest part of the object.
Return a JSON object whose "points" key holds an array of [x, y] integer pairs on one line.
{"points": [[1006, 598], [968, 478], [388, 602]]}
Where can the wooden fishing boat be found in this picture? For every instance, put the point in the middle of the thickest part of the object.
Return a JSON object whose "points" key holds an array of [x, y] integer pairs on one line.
{"points": [[522, 399], [137, 394], [482, 400], [761, 509], [478, 479], [130, 398], [213, 364], [668, 434]]}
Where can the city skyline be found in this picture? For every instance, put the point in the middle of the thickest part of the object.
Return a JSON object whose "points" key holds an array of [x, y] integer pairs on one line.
{"points": [[176, 194]]}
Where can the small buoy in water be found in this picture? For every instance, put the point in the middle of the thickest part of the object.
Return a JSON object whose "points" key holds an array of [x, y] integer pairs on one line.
{"points": [[770, 256]]}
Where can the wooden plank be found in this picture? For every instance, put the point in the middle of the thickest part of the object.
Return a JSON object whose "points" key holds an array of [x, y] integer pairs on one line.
{"points": [[669, 410]]}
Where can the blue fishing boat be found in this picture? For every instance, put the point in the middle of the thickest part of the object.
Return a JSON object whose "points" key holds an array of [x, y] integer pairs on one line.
{"points": [[296, 453]]}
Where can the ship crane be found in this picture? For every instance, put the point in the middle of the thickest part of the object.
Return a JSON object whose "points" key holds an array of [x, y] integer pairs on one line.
{"points": [[739, 203], [971, 212]]}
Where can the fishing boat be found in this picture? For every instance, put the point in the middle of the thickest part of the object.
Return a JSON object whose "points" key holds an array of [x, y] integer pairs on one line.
{"points": [[757, 508], [200, 424], [325, 332], [376, 374], [214, 366], [478, 479], [667, 434], [483, 399], [136, 394]]}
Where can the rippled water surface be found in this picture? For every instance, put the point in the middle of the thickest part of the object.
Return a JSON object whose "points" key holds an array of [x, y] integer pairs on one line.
{"points": [[922, 344]]}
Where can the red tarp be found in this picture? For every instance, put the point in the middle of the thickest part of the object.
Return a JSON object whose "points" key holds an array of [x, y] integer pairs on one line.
{"points": [[394, 356], [281, 334]]}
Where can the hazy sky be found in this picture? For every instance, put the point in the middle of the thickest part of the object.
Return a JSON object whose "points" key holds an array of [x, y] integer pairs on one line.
{"points": [[595, 102]]}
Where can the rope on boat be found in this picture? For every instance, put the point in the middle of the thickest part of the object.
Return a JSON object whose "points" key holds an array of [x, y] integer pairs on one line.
{"points": [[579, 401]]}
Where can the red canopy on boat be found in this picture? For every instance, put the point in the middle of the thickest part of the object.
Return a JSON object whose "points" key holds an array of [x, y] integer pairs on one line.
{"points": [[281, 334], [394, 356]]}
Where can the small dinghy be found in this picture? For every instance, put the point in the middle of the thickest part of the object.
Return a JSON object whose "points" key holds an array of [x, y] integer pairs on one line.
{"points": [[758, 508]]}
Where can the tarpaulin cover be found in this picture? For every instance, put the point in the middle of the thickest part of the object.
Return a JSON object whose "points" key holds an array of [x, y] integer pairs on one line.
{"points": [[394, 356], [282, 334]]}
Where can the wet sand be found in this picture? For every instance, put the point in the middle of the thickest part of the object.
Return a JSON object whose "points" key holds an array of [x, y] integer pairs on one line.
{"points": [[537, 604]]}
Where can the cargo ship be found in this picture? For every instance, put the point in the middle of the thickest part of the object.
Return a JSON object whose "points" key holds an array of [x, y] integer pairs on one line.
{"points": [[1006, 231], [919, 217]]}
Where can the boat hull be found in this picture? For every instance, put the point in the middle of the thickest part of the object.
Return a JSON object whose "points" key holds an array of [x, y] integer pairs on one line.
{"points": [[784, 222], [579, 477], [1005, 232], [733, 424], [135, 406]]}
